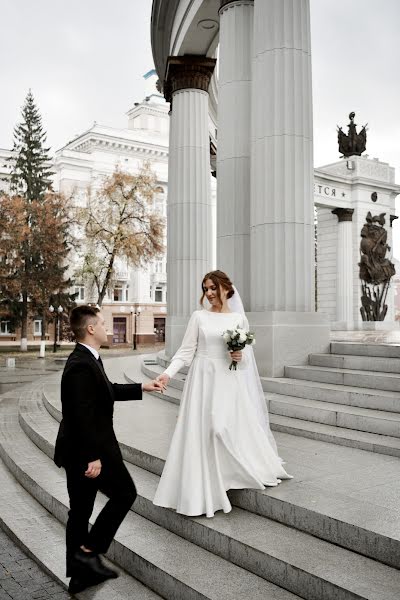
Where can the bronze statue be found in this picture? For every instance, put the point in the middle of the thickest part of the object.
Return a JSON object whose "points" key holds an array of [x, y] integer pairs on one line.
{"points": [[376, 270], [354, 143]]}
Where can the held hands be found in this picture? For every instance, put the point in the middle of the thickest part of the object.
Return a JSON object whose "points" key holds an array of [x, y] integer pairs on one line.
{"points": [[163, 379], [94, 469], [154, 386]]}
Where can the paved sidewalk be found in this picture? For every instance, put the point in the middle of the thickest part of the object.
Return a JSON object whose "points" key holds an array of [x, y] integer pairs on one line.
{"points": [[21, 578]]}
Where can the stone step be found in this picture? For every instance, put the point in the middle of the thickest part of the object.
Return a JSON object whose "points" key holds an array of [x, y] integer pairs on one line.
{"points": [[325, 517], [165, 562], [363, 349], [42, 537], [338, 415], [353, 377], [361, 363], [362, 440], [152, 371], [331, 392], [271, 550]]}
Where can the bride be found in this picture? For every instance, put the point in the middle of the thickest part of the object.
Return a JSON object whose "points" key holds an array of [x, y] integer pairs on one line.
{"points": [[222, 439]]}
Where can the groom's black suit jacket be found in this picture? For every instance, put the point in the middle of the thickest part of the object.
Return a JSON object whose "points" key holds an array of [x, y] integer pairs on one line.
{"points": [[86, 431]]}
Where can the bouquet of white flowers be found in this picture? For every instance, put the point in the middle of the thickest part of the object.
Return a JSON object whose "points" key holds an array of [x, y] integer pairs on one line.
{"points": [[237, 339]]}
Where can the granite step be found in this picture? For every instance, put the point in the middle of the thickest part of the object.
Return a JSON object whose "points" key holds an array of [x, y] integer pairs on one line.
{"points": [[171, 566], [338, 415], [363, 349], [330, 392], [361, 363], [357, 525], [42, 537], [362, 440], [353, 377]]}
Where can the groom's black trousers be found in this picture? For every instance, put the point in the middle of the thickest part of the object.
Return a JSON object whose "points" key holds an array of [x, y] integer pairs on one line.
{"points": [[116, 483]]}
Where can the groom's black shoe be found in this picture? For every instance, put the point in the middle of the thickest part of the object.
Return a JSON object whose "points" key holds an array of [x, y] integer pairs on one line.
{"points": [[88, 565], [78, 584]]}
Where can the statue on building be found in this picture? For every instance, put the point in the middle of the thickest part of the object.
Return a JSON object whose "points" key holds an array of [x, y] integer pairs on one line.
{"points": [[353, 143], [376, 270]]}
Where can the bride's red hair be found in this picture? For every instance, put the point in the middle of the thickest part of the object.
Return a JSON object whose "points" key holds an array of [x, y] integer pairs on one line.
{"points": [[219, 279]]}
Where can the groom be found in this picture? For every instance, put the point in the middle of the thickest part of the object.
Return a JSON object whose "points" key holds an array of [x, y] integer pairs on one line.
{"points": [[87, 448]]}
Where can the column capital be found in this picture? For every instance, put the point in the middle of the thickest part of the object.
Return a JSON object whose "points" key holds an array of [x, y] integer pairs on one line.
{"points": [[188, 71], [392, 218], [224, 3], [343, 214]]}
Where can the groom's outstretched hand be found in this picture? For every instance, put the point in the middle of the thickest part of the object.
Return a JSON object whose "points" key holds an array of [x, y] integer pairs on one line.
{"points": [[154, 386]]}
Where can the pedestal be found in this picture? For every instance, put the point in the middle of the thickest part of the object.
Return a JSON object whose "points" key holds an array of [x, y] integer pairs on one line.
{"points": [[287, 338]]}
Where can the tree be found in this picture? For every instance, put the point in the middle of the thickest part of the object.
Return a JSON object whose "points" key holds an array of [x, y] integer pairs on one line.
{"points": [[29, 161], [35, 242], [29, 182], [119, 222]]}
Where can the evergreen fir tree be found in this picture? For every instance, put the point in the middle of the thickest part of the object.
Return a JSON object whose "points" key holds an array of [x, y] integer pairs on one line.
{"points": [[30, 171]]}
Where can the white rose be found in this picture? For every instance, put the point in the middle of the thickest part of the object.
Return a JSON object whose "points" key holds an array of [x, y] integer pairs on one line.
{"points": [[242, 337], [226, 336]]}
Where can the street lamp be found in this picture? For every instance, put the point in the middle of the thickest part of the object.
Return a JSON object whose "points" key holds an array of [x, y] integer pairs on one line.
{"points": [[136, 313], [57, 314]]}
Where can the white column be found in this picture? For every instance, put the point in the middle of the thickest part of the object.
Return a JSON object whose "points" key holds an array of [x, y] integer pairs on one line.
{"points": [[189, 205], [282, 212], [344, 277], [233, 155]]}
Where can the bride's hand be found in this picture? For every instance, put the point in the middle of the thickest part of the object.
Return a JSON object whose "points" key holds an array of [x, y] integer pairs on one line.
{"points": [[236, 356], [163, 378]]}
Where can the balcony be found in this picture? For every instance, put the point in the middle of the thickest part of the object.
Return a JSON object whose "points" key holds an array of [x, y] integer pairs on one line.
{"points": [[121, 275], [158, 278]]}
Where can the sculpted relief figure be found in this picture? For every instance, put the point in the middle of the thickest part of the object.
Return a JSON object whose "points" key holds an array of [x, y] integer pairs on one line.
{"points": [[376, 270]]}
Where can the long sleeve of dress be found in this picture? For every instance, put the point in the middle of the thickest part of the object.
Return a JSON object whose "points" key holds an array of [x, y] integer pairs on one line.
{"points": [[186, 352]]}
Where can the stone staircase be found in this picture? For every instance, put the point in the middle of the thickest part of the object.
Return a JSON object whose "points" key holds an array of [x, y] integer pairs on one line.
{"points": [[349, 397], [300, 540]]}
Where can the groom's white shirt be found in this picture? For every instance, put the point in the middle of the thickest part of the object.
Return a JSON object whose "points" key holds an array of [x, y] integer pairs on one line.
{"points": [[95, 353], [92, 350]]}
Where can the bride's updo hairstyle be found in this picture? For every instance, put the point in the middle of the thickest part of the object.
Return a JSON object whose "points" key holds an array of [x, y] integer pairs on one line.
{"points": [[219, 278]]}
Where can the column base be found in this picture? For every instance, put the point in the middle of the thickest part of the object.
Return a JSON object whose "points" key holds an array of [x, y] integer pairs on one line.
{"points": [[365, 326], [287, 338]]}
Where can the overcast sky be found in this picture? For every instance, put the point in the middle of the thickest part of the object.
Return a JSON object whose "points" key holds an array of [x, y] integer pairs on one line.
{"points": [[84, 60]]}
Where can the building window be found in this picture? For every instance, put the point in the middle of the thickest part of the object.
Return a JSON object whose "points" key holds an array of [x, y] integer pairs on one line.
{"points": [[126, 294], [158, 294], [37, 327], [5, 327], [80, 290], [118, 294]]}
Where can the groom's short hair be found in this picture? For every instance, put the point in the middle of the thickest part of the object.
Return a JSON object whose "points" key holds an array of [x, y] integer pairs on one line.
{"points": [[80, 317]]}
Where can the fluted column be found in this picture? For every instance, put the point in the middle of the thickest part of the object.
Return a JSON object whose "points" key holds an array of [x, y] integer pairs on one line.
{"points": [[233, 156], [282, 224], [282, 211], [189, 205], [344, 277]]}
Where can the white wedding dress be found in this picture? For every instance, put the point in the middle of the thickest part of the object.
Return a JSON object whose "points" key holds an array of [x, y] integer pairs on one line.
{"points": [[219, 442]]}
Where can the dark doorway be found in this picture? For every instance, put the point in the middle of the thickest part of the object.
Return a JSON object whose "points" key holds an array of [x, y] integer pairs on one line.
{"points": [[159, 329], [119, 330]]}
